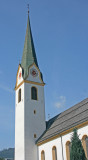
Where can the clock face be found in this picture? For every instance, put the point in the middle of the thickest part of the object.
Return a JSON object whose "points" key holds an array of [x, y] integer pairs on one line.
{"points": [[19, 75], [34, 72]]}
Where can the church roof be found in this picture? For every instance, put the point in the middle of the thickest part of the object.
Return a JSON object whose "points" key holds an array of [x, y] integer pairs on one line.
{"points": [[29, 54], [66, 120]]}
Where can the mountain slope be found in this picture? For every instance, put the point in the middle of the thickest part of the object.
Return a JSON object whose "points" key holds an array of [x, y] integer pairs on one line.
{"points": [[7, 153]]}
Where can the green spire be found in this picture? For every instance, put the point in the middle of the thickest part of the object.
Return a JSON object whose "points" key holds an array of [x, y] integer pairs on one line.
{"points": [[29, 55]]}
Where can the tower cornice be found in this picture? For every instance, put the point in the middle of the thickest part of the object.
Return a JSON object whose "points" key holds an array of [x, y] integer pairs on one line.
{"points": [[31, 82]]}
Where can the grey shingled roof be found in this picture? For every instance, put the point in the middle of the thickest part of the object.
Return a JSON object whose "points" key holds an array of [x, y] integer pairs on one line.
{"points": [[66, 120]]}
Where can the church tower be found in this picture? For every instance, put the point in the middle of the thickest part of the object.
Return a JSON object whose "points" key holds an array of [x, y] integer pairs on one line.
{"points": [[29, 102]]}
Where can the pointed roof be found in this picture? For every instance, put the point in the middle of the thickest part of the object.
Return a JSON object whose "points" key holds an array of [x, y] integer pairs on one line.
{"points": [[29, 54]]}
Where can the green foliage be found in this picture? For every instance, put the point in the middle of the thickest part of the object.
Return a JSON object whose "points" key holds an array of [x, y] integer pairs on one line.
{"points": [[76, 151]]}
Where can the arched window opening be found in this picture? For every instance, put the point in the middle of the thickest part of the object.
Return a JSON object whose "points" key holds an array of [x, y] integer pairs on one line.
{"points": [[68, 147], [54, 153], [34, 93], [19, 95], [42, 155], [85, 144]]}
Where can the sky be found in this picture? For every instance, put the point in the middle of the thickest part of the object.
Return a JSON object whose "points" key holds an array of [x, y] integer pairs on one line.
{"points": [[60, 33]]}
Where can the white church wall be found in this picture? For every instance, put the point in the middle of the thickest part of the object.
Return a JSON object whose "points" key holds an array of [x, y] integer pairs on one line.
{"points": [[47, 147], [83, 131], [65, 139]]}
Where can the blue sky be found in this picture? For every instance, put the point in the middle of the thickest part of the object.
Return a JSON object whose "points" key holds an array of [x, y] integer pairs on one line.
{"points": [[60, 33]]}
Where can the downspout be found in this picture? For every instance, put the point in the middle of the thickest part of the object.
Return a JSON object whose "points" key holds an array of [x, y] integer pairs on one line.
{"points": [[62, 148]]}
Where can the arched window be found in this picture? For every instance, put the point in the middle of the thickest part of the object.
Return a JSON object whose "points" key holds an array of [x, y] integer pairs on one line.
{"points": [[34, 93], [54, 153], [42, 155], [68, 145], [19, 95], [85, 144]]}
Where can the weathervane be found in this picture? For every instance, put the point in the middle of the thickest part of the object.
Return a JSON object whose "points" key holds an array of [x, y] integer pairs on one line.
{"points": [[28, 8]]}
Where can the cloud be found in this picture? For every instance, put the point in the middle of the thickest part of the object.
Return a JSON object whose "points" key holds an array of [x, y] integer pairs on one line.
{"points": [[6, 88], [61, 102]]}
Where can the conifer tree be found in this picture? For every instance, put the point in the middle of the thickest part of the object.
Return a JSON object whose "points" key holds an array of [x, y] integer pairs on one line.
{"points": [[76, 150]]}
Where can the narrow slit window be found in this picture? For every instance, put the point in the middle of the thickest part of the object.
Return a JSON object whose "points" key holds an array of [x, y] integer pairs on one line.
{"points": [[19, 95], [34, 111], [34, 93], [35, 136], [54, 153], [42, 155]]}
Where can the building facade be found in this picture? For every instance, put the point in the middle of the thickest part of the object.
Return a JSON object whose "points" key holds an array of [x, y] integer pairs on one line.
{"points": [[36, 139]]}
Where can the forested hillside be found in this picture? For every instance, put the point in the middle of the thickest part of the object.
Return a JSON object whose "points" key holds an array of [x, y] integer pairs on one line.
{"points": [[7, 153]]}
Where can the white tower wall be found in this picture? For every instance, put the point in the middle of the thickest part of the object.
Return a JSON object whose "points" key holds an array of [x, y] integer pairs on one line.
{"points": [[34, 123], [19, 126], [28, 123]]}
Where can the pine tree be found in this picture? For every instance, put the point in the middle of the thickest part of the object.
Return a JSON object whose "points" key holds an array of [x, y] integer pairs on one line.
{"points": [[76, 151]]}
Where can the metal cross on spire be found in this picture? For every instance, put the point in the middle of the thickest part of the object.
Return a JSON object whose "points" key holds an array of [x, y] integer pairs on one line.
{"points": [[28, 8]]}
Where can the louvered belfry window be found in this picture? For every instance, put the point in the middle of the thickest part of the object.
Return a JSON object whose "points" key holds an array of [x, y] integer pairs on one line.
{"points": [[34, 93], [54, 153]]}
